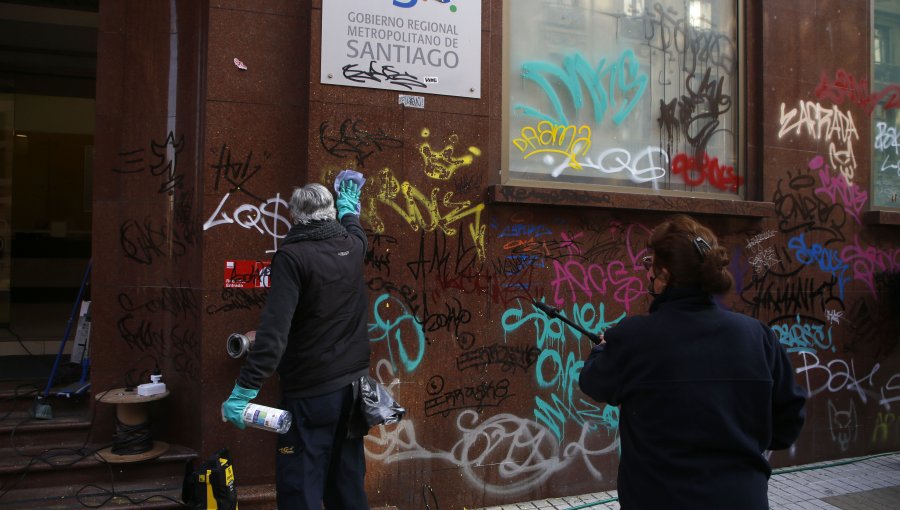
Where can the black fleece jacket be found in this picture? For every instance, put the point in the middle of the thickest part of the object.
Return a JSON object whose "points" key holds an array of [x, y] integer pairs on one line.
{"points": [[313, 328], [703, 392]]}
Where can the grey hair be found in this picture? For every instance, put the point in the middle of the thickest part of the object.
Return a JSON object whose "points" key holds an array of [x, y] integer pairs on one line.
{"points": [[312, 202]]}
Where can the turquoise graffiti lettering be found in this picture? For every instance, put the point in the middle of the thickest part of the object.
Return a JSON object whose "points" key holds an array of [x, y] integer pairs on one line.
{"points": [[555, 413], [403, 331], [618, 86], [563, 405], [804, 337], [559, 364], [549, 330]]}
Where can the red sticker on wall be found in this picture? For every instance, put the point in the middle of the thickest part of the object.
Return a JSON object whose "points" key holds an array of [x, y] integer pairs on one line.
{"points": [[247, 274]]}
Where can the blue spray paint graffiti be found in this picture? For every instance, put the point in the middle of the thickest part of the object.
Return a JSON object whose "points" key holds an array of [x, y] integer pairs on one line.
{"points": [[827, 259]]}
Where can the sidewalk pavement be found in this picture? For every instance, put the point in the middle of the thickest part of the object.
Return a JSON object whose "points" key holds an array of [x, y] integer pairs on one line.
{"points": [[861, 483]]}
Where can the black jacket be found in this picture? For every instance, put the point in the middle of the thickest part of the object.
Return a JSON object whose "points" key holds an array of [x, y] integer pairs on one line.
{"points": [[703, 392], [313, 327]]}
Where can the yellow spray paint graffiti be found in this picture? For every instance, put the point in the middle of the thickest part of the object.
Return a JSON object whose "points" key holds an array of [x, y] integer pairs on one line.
{"points": [[428, 211], [443, 164], [435, 210], [547, 138]]}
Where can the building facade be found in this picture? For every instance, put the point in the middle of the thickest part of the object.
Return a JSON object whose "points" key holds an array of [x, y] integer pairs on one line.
{"points": [[514, 151]]}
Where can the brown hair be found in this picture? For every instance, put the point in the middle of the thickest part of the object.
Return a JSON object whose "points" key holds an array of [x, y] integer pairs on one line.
{"points": [[692, 255]]}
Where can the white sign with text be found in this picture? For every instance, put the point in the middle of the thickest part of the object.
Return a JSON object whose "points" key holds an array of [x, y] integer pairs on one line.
{"points": [[427, 47]]}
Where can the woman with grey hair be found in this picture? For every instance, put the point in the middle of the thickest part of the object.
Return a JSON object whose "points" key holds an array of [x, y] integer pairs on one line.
{"points": [[313, 332]]}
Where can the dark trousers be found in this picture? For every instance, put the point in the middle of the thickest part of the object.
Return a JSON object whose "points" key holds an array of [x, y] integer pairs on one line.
{"points": [[316, 463]]}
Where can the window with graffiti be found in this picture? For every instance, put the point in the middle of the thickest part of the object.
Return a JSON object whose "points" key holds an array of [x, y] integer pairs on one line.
{"points": [[883, 100], [634, 94]]}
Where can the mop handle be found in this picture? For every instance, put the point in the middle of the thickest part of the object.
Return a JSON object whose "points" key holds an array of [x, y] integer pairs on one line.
{"points": [[553, 312], [62, 345]]}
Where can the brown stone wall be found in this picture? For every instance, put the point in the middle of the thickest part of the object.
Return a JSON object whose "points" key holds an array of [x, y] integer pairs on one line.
{"points": [[146, 285], [455, 259], [255, 152]]}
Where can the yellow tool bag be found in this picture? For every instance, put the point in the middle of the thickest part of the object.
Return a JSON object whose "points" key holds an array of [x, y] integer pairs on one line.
{"points": [[211, 485]]}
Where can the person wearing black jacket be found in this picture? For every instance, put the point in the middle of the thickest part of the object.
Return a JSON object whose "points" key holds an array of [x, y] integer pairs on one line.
{"points": [[702, 392], [313, 332]]}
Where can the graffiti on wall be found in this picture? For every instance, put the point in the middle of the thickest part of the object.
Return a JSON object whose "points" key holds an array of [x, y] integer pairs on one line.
{"points": [[156, 323]]}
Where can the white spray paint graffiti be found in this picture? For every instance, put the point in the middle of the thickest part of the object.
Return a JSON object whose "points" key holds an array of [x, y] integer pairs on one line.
{"points": [[264, 218], [524, 453]]}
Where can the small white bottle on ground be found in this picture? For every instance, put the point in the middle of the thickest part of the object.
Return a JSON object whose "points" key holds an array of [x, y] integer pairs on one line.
{"points": [[267, 418]]}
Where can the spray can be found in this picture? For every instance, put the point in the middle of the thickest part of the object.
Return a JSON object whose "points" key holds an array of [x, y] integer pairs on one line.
{"points": [[267, 418]]}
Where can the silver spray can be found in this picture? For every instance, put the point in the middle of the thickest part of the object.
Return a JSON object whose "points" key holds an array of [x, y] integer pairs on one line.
{"points": [[267, 418]]}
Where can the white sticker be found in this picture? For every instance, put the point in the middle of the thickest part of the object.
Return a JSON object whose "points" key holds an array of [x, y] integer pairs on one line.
{"points": [[412, 101]]}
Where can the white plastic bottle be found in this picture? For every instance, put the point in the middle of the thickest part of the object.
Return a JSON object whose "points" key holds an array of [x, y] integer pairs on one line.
{"points": [[267, 418]]}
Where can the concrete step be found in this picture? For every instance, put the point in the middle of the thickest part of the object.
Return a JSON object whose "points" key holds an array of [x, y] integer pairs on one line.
{"points": [[17, 395], [21, 394], [20, 430], [159, 494], [79, 465]]}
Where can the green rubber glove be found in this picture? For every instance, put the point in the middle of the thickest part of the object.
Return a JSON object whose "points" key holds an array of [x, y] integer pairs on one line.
{"points": [[348, 199], [233, 408]]}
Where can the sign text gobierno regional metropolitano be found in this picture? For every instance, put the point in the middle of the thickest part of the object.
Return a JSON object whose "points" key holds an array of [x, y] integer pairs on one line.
{"points": [[419, 46]]}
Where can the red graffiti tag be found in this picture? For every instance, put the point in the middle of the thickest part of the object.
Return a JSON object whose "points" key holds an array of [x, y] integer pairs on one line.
{"points": [[845, 87], [719, 176]]}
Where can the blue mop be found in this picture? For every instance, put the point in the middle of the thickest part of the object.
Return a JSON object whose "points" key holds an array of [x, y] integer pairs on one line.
{"points": [[83, 332], [42, 409]]}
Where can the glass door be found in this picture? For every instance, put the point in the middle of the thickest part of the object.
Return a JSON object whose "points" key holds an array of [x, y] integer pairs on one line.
{"points": [[7, 140]]}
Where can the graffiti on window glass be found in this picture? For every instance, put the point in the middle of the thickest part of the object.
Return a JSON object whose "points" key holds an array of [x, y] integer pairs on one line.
{"points": [[625, 93], [882, 99]]}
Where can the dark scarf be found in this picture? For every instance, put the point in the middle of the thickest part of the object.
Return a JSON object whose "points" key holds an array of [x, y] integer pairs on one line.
{"points": [[315, 231], [691, 297]]}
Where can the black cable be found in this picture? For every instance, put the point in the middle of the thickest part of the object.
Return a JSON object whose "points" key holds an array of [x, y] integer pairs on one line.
{"points": [[48, 455], [111, 493], [19, 339], [132, 439], [16, 396], [81, 453]]}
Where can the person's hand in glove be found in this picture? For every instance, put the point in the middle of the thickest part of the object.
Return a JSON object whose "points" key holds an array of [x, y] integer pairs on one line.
{"points": [[233, 408], [348, 199]]}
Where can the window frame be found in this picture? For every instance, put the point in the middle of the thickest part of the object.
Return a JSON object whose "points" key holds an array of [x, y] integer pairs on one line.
{"points": [[514, 189], [880, 214]]}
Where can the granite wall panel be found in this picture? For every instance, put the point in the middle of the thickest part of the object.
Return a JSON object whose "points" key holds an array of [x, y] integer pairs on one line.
{"points": [[456, 258]]}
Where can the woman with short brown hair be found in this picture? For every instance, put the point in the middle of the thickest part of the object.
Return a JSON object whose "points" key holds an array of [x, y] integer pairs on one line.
{"points": [[703, 392]]}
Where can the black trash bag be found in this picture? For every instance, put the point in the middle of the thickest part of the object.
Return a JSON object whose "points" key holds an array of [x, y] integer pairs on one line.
{"points": [[376, 405]]}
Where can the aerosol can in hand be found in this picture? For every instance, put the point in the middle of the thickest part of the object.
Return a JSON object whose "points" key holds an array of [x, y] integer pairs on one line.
{"points": [[266, 418]]}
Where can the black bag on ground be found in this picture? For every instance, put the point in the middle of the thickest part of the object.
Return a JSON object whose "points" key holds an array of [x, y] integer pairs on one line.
{"points": [[211, 485]]}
